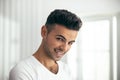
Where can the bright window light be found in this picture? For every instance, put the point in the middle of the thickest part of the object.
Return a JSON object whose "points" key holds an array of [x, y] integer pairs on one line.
{"points": [[95, 50], [91, 61], [114, 48]]}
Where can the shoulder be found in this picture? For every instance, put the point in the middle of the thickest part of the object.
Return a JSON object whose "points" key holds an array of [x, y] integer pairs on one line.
{"points": [[22, 70]]}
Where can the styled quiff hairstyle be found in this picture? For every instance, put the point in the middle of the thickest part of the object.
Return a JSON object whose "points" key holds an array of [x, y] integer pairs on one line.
{"points": [[65, 18]]}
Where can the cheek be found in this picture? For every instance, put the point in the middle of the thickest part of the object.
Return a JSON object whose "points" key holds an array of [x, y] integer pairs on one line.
{"points": [[69, 48], [52, 43]]}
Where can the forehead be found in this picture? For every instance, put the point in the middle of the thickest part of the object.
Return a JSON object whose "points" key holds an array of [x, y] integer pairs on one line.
{"points": [[67, 33]]}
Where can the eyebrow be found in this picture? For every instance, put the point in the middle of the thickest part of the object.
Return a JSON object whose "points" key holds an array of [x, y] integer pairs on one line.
{"points": [[65, 38]]}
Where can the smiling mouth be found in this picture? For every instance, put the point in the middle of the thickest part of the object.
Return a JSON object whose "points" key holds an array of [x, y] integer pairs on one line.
{"points": [[59, 53]]}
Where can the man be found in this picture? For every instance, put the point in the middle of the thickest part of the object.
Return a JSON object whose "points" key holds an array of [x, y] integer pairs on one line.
{"points": [[58, 34]]}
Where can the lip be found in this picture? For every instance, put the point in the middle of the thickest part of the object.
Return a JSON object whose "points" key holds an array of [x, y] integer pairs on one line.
{"points": [[59, 54]]}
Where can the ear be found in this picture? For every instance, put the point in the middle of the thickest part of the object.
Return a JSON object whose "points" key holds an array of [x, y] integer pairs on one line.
{"points": [[44, 31]]}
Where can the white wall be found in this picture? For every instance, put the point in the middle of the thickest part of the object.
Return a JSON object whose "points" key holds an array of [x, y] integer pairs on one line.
{"points": [[83, 7], [20, 22]]}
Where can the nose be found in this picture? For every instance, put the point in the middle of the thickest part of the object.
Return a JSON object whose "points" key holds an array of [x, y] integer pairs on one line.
{"points": [[65, 47]]}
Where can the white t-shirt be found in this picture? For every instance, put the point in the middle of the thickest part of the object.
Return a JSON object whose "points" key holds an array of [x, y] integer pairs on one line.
{"points": [[32, 69]]}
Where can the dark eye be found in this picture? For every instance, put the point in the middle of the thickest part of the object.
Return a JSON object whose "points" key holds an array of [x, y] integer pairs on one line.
{"points": [[59, 39], [70, 43]]}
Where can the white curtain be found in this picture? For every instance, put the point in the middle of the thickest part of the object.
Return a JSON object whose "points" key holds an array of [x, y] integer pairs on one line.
{"points": [[19, 32]]}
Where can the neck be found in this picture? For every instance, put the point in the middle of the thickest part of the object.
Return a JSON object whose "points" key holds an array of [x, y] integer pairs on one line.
{"points": [[41, 56], [49, 63]]}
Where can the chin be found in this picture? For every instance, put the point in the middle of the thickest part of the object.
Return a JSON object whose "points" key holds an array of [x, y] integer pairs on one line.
{"points": [[57, 59]]}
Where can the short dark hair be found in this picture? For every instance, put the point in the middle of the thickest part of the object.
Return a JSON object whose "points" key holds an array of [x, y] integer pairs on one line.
{"points": [[65, 18]]}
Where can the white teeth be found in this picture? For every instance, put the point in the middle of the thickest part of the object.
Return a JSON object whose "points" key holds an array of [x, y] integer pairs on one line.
{"points": [[58, 52]]}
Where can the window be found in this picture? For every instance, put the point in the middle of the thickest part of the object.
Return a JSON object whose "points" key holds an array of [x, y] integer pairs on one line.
{"points": [[95, 50], [90, 58]]}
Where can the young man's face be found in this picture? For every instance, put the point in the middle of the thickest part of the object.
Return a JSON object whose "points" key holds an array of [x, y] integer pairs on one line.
{"points": [[57, 42]]}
